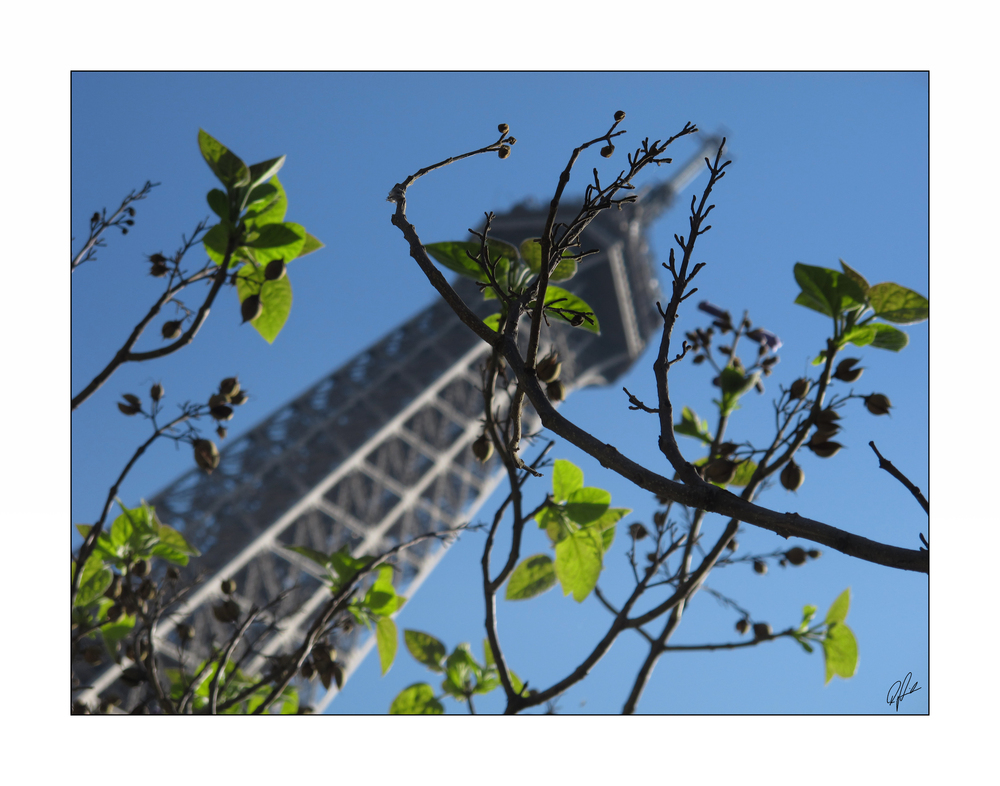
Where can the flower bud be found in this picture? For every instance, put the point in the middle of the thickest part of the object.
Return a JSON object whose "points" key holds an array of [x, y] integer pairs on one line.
{"points": [[275, 270], [608, 151], [206, 454], [759, 567], [637, 531], [825, 449], [482, 448], [251, 308], [556, 391], [95, 218], [846, 372], [171, 330], [878, 404], [619, 116], [796, 555], [548, 368], [761, 630], [792, 476], [799, 388], [156, 392], [504, 151]]}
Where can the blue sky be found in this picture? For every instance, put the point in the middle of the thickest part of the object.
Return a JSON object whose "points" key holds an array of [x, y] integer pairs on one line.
{"points": [[825, 166]]}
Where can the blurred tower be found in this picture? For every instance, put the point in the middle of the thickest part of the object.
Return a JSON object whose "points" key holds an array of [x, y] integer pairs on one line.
{"points": [[379, 451]]}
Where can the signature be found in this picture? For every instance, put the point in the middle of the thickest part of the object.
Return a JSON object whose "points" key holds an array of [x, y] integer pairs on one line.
{"points": [[900, 689]]}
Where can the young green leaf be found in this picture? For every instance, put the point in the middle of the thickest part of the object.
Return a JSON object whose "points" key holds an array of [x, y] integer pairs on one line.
{"points": [[566, 478], [579, 559], [531, 253], [219, 202], [264, 170], [94, 580], [387, 640], [418, 699], [454, 255], [856, 277], [316, 556], [587, 504], [425, 649], [275, 297], [840, 650], [894, 303], [277, 241], [838, 609], [827, 291], [888, 337], [560, 298], [229, 168], [555, 522], [311, 244], [533, 576], [692, 426], [859, 335]]}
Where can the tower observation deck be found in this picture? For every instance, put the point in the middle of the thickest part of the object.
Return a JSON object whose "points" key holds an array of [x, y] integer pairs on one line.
{"points": [[379, 451]]}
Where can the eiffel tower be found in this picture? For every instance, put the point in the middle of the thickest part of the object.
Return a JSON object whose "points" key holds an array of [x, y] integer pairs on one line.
{"points": [[379, 451]]}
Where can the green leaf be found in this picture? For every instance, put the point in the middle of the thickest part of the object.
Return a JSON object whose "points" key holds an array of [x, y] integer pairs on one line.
{"points": [[387, 640], [316, 556], [859, 335], [264, 170], [888, 337], [95, 578], [460, 670], [215, 242], [452, 255], [171, 537], [114, 632], [425, 649], [277, 241], [564, 299], [566, 478], [556, 524], [219, 202], [692, 426], [311, 244], [268, 205], [827, 291], [744, 472], [894, 303], [275, 296], [808, 612], [805, 645], [229, 168], [345, 566], [533, 576], [418, 699], [493, 321], [840, 649], [289, 700], [587, 504], [579, 559], [855, 276], [838, 609], [531, 253]]}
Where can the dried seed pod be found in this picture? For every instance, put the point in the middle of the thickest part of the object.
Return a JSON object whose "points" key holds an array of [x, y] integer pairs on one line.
{"points": [[206, 454], [185, 632], [228, 586], [132, 406], [115, 613], [846, 372], [239, 398], [759, 567], [307, 670], [619, 116], [504, 151], [251, 308], [173, 574], [156, 392], [827, 416], [556, 391], [549, 368], [171, 330], [503, 128], [878, 404], [482, 448], [93, 655], [796, 556], [221, 431], [115, 590], [217, 400], [637, 531], [608, 151], [147, 590], [825, 449], [726, 449], [742, 626], [158, 270], [222, 412], [761, 630], [229, 387], [275, 270], [792, 476], [824, 431], [733, 545], [799, 388], [140, 568], [660, 518], [720, 471], [577, 320], [227, 611]]}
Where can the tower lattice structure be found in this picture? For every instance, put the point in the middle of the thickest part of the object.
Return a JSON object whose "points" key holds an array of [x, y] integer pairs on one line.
{"points": [[379, 451]]}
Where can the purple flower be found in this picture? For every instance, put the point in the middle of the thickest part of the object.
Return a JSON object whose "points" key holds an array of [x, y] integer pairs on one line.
{"points": [[762, 336], [715, 311]]}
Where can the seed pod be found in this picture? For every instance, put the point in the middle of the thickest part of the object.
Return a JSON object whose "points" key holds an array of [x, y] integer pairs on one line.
{"points": [[239, 398], [115, 613], [140, 568], [185, 632], [217, 400], [733, 545], [482, 448], [93, 655], [221, 431], [660, 518], [129, 409], [229, 586], [503, 128], [275, 270], [158, 270], [761, 630], [147, 590], [115, 590], [548, 368], [133, 676], [726, 449], [511, 141], [637, 531], [577, 320], [171, 330], [227, 611], [814, 553], [157, 259], [229, 387], [759, 567], [307, 670], [156, 392], [878, 404], [608, 151], [742, 626], [799, 388], [619, 116], [222, 412], [825, 449], [504, 151], [206, 454], [824, 431], [251, 308], [173, 574], [720, 471], [95, 218], [796, 555], [827, 416], [556, 391], [792, 476], [846, 372]]}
